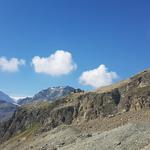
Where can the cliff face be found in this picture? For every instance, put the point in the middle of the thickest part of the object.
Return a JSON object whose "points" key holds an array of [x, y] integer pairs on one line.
{"points": [[136, 94], [129, 95]]}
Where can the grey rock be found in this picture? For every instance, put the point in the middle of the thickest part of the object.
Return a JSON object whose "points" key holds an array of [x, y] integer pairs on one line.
{"points": [[50, 94]]}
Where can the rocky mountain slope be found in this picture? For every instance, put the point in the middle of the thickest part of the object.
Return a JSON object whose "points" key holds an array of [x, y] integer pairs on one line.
{"points": [[6, 110], [5, 97], [121, 132], [112, 106], [50, 94], [7, 107]]}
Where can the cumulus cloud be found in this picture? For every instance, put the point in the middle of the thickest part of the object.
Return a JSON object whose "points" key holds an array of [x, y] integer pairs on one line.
{"points": [[10, 65], [57, 64], [98, 77]]}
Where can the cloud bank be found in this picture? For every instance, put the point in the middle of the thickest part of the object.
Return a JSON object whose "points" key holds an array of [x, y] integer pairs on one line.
{"points": [[10, 65], [57, 64], [98, 77]]}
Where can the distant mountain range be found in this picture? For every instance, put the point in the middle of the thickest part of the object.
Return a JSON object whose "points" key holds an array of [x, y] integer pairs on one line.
{"points": [[50, 94], [8, 105]]}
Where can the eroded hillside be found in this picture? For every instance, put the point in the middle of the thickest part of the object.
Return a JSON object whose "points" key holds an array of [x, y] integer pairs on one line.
{"points": [[127, 98]]}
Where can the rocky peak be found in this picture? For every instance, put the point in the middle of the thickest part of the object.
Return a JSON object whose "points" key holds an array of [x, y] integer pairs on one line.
{"points": [[50, 94]]}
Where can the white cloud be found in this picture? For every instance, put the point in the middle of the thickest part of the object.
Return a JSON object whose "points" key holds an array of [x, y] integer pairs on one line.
{"points": [[98, 77], [57, 64], [10, 65]]}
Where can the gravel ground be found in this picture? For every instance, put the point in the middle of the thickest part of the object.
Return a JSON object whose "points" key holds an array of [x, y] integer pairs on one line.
{"points": [[127, 137], [123, 132]]}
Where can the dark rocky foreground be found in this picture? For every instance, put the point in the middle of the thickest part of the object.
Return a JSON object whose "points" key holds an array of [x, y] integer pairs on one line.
{"points": [[130, 96]]}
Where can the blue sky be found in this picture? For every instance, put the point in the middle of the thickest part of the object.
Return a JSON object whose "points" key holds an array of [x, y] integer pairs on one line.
{"points": [[114, 33]]}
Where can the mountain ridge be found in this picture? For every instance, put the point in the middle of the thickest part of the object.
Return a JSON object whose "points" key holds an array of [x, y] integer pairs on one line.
{"points": [[7, 107], [6, 98], [120, 83], [6, 110], [49, 94]]}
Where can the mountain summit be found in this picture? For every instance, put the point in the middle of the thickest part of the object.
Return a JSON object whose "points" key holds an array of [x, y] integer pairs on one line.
{"points": [[49, 94]]}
